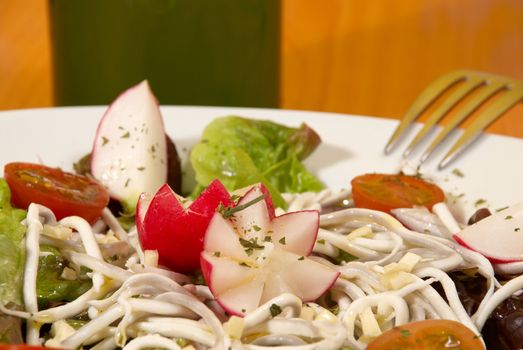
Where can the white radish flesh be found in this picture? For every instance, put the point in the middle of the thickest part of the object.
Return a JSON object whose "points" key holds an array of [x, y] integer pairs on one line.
{"points": [[129, 154], [250, 258], [498, 237]]}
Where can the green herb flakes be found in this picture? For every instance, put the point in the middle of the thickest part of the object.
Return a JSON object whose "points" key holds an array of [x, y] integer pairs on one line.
{"points": [[227, 212], [275, 310], [458, 172], [479, 202], [405, 332]]}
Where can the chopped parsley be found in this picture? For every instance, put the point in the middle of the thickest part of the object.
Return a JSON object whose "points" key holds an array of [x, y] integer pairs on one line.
{"points": [[140, 168], [301, 258], [480, 202], [105, 140], [517, 229], [405, 332], [250, 245], [335, 309], [182, 342], [227, 212], [508, 217], [275, 310], [126, 135], [256, 228], [321, 241], [217, 254], [282, 240], [458, 172], [343, 257], [267, 239]]}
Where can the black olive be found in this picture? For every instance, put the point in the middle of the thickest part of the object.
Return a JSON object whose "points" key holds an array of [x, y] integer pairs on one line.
{"points": [[480, 214], [174, 167]]}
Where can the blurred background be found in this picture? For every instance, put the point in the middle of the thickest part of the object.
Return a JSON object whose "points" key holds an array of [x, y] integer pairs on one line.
{"points": [[368, 57]]}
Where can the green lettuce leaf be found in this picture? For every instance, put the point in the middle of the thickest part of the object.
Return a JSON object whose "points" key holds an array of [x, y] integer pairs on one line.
{"points": [[12, 258], [50, 286], [240, 151]]}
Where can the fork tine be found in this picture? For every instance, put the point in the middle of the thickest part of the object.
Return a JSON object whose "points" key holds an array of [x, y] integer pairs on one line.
{"points": [[491, 113], [463, 113], [428, 95], [442, 110]]}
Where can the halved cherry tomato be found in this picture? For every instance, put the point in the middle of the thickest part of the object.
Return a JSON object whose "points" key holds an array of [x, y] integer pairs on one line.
{"points": [[64, 193], [385, 192], [428, 335]]}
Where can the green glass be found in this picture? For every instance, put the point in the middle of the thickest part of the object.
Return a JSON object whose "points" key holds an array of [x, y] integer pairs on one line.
{"points": [[193, 52]]}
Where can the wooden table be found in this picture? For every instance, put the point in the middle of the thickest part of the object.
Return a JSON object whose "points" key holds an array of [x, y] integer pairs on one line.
{"points": [[362, 57]]}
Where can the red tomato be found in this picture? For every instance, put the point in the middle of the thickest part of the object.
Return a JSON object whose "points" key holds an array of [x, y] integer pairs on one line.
{"points": [[385, 192], [64, 193], [428, 335]]}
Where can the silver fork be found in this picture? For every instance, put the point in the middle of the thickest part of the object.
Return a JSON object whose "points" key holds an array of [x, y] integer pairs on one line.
{"points": [[507, 91]]}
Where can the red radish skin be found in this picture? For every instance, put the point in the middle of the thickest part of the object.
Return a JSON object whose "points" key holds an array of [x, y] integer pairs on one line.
{"points": [[174, 231], [491, 259], [268, 201]]}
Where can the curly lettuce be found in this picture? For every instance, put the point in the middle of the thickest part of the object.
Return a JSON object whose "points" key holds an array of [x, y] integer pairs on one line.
{"points": [[12, 234], [240, 151], [12, 260]]}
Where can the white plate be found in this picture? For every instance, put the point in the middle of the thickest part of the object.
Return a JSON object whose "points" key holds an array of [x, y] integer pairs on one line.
{"points": [[352, 145]]}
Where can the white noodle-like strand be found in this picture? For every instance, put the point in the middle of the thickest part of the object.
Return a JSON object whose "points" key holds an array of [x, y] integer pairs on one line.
{"points": [[178, 328], [89, 329], [497, 298], [152, 341], [89, 241], [114, 225], [446, 217], [100, 266], [32, 246], [263, 312]]}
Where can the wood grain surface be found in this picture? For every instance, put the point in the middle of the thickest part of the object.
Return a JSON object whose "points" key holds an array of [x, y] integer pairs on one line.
{"points": [[362, 57]]}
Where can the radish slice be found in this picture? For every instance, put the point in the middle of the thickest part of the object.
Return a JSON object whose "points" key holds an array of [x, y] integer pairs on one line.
{"points": [[144, 201], [129, 153], [165, 224], [250, 258], [498, 237]]}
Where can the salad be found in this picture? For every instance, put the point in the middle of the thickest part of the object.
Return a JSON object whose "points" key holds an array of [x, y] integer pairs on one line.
{"points": [[259, 254]]}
